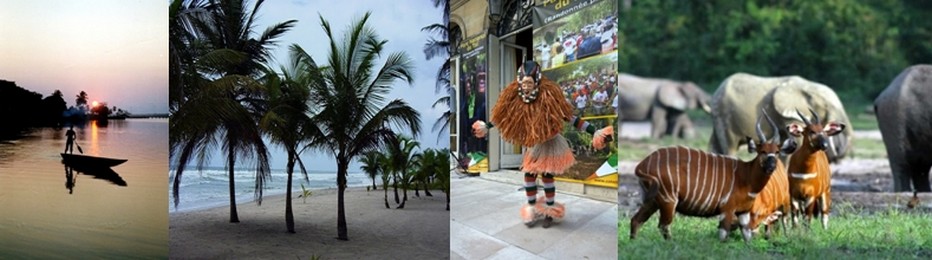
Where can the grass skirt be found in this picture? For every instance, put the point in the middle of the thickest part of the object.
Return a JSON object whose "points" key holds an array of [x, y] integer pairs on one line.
{"points": [[553, 156]]}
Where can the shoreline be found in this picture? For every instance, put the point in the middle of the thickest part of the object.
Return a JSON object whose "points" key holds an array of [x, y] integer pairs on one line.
{"points": [[417, 231], [249, 199]]}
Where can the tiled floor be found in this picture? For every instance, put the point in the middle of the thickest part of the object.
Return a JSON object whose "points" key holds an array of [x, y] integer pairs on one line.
{"points": [[485, 225]]}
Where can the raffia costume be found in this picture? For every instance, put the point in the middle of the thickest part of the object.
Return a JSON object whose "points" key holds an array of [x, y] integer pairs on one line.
{"points": [[533, 117]]}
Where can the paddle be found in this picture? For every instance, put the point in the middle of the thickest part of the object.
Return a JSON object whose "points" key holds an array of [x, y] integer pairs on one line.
{"points": [[79, 147]]}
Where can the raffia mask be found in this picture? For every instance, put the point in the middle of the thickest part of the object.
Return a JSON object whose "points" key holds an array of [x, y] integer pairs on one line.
{"points": [[528, 81]]}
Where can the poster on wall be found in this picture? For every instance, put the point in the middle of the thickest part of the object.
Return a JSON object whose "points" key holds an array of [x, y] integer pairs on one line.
{"points": [[575, 42], [472, 103]]}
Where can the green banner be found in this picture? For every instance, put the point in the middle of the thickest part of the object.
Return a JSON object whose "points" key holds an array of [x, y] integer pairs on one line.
{"points": [[575, 42], [473, 83]]}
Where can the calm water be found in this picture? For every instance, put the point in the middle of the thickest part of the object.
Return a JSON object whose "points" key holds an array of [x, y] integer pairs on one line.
{"points": [[40, 217]]}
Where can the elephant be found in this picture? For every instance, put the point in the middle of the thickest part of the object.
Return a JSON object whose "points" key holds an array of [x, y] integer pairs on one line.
{"points": [[905, 121], [741, 97], [664, 102]]}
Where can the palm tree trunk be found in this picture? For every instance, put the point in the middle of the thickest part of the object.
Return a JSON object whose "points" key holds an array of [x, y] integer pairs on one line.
{"points": [[404, 187], [386, 196], [231, 157], [448, 197], [427, 188], [395, 185], [373, 184], [417, 189], [289, 215], [342, 165]]}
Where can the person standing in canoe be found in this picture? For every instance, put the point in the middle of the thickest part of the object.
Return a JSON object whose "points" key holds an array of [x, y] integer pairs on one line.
{"points": [[69, 144]]}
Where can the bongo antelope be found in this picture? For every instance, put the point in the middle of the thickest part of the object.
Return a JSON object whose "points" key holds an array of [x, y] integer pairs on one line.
{"points": [[697, 183]]}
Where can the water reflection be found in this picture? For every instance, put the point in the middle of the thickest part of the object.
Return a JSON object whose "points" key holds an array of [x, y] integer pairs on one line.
{"points": [[69, 179], [103, 173]]}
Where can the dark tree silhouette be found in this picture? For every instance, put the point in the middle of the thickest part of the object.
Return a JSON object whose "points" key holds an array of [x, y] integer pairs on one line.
{"points": [[81, 99]]}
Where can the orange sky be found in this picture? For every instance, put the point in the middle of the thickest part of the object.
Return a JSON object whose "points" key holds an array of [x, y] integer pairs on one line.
{"points": [[116, 51]]}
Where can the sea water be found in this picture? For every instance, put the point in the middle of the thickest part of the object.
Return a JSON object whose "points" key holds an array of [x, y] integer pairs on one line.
{"points": [[209, 188]]}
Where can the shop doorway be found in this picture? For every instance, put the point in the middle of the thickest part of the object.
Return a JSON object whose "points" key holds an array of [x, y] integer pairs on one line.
{"points": [[515, 49]]}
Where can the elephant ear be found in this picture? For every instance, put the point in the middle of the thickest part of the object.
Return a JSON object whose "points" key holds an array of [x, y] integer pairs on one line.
{"points": [[672, 96], [787, 98]]}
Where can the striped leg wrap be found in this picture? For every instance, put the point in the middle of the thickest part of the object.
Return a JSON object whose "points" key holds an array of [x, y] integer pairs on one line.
{"points": [[530, 187], [582, 125], [549, 190]]}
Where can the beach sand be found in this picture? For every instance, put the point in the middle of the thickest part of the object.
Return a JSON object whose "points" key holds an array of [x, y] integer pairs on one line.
{"points": [[421, 230]]}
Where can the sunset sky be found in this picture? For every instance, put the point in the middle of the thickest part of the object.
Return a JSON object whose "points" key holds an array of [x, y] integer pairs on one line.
{"points": [[115, 50]]}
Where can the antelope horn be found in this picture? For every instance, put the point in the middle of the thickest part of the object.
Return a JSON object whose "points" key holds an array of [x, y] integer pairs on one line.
{"points": [[801, 116], [760, 133], [776, 131], [815, 116]]}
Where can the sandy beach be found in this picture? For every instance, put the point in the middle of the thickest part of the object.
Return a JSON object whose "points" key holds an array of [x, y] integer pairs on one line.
{"points": [[421, 230]]}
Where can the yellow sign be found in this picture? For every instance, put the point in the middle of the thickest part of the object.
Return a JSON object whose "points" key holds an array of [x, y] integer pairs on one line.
{"points": [[481, 166]]}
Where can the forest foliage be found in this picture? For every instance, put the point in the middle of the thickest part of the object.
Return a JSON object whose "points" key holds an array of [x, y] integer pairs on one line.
{"points": [[856, 47], [23, 108]]}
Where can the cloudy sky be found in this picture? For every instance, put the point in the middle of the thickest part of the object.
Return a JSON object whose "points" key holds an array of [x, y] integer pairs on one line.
{"points": [[115, 50], [399, 22]]}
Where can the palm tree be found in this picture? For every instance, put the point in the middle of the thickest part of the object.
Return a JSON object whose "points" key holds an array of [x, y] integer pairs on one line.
{"points": [[287, 121], [403, 160], [371, 166], [442, 47], [428, 170], [443, 172], [351, 109], [423, 174], [387, 172], [215, 98]]}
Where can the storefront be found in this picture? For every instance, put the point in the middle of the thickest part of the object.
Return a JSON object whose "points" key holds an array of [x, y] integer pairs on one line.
{"points": [[573, 41]]}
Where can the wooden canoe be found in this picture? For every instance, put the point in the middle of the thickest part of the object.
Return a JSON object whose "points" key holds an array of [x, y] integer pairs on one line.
{"points": [[90, 161]]}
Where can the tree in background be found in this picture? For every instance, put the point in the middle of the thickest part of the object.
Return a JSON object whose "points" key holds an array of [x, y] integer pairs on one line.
{"points": [[442, 47], [81, 99], [21, 108], [53, 106], [404, 159], [855, 47], [386, 169], [443, 170], [371, 166]]}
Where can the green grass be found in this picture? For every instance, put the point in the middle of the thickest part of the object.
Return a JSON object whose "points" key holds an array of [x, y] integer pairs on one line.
{"points": [[890, 234], [863, 148]]}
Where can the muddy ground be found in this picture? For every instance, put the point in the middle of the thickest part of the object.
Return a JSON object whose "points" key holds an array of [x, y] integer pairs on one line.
{"points": [[859, 185]]}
